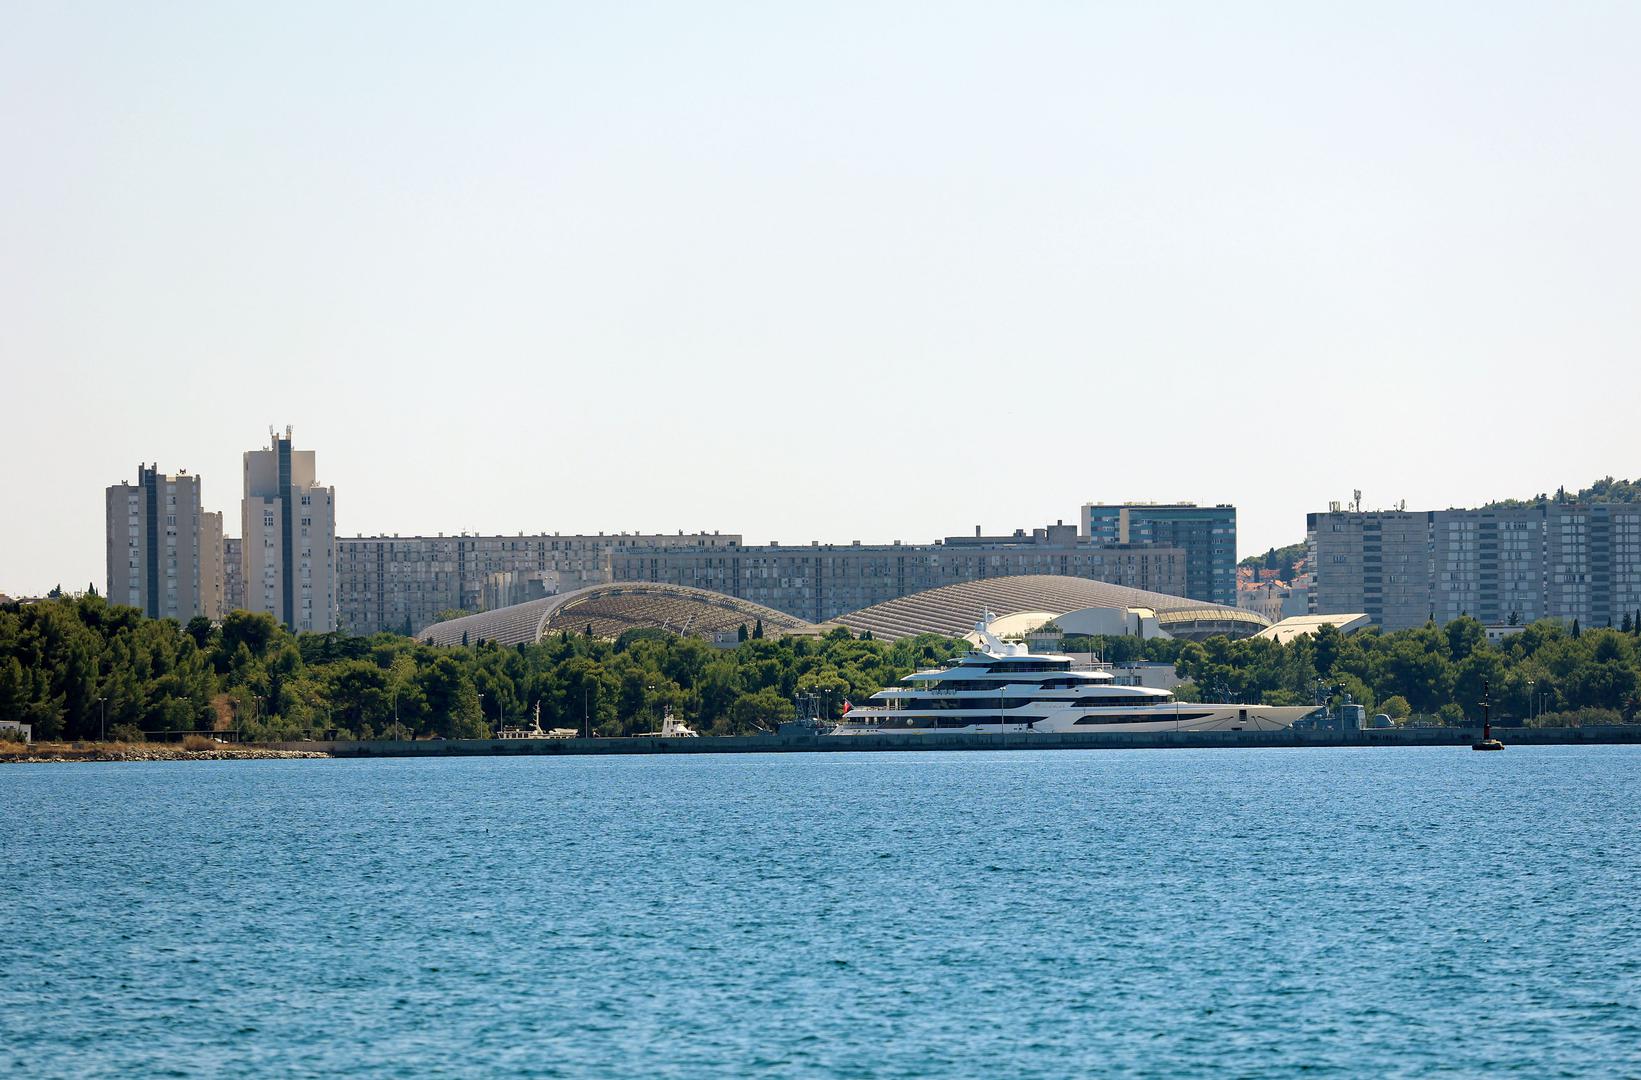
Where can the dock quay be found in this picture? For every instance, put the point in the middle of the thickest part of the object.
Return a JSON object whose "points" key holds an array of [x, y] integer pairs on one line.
{"points": [[911, 742]]}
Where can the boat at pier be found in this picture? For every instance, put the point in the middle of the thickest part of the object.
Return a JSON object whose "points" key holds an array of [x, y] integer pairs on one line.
{"points": [[1002, 687]]}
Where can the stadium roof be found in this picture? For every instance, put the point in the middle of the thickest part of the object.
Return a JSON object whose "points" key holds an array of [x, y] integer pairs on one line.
{"points": [[1298, 626], [953, 609], [611, 609]]}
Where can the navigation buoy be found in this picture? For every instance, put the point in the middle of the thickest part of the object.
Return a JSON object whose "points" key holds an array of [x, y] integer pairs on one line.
{"points": [[1487, 741]]}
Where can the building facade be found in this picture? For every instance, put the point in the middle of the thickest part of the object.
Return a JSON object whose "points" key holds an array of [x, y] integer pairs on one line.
{"points": [[288, 533], [1378, 563], [1207, 535], [163, 551], [1506, 565], [401, 584], [233, 574], [819, 581], [212, 569]]}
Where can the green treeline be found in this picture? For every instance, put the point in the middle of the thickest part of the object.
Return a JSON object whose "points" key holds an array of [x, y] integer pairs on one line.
{"points": [[1547, 673], [65, 663]]}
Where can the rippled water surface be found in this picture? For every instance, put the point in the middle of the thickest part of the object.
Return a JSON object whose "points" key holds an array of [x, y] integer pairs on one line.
{"points": [[1261, 913]]}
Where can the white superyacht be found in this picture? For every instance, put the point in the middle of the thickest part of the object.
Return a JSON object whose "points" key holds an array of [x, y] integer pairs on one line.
{"points": [[1003, 688]]}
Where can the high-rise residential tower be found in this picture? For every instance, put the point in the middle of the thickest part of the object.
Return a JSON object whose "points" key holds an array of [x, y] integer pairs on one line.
{"points": [[288, 547], [1207, 534], [164, 553], [1500, 564]]}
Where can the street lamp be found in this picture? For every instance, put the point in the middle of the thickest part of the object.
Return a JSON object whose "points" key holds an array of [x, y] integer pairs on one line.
{"points": [[102, 711]]}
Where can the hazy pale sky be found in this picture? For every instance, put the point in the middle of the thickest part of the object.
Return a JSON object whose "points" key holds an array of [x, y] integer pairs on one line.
{"points": [[816, 271]]}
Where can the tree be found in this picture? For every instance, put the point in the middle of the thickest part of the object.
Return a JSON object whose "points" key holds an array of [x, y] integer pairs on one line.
{"points": [[199, 628], [1575, 629], [257, 631], [740, 635], [1464, 636], [758, 630], [765, 708]]}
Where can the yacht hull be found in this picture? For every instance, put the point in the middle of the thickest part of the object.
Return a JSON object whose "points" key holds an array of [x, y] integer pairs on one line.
{"points": [[1184, 717]]}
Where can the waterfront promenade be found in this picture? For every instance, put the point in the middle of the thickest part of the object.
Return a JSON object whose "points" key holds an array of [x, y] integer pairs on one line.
{"points": [[822, 744]]}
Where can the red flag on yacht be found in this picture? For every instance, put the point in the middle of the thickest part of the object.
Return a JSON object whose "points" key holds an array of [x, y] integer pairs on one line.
{"points": [[846, 706]]}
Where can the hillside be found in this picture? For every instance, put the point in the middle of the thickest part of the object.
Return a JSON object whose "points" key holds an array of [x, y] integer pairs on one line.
{"points": [[1605, 490]]}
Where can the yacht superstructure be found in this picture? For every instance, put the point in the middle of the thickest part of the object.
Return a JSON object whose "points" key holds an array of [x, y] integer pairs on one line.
{"points": [[1001, 687]]}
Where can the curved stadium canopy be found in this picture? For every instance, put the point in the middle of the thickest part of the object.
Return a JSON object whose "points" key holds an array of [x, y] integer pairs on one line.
{"points": [[953, 609], [611, 609], [1080, 605]]}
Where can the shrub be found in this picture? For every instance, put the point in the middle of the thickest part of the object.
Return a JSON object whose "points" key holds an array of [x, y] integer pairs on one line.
{"points": [[1577, 718], [126, 733], [198, 742]]}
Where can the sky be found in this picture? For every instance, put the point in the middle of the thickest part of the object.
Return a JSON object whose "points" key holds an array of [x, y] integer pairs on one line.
{"points": [[820, 271]]}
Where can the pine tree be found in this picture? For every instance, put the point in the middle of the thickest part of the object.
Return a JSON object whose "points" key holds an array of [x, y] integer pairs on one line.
{"points": [[740, 635], [1575, 629], [1625, 627], [758, 629]]}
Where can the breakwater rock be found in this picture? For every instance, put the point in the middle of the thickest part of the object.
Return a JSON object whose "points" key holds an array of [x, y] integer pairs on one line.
{"points": [[43, 752]]}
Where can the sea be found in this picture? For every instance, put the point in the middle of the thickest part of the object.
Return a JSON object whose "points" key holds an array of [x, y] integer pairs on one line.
{"points": [[1163, 913]]}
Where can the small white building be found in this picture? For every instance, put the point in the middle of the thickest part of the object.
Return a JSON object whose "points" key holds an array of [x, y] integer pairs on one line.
{"points": [[18, 728]]}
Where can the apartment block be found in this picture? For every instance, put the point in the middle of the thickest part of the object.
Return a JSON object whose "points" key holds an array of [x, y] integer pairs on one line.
{"points": [[821, 581], [401, 584], [162, 550], [1499, 565], [1207, 535], [1378, 563], [288, 551], [233, 574], [212, 572]]}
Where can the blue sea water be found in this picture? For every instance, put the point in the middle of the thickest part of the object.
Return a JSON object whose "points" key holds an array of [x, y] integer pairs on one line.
{"points": [[1269, 913]]}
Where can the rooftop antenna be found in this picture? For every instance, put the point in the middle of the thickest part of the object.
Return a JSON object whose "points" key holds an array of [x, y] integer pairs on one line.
{"points": [[1356, 501]]}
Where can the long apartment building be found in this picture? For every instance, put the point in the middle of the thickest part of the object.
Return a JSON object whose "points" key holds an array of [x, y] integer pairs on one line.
{"points": [[164, 550], [1498, 565], [402, 583], [821, 581], [1207, 535]]}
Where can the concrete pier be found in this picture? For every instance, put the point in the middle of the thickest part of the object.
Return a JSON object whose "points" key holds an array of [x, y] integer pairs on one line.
{"points": [[846, 744]]}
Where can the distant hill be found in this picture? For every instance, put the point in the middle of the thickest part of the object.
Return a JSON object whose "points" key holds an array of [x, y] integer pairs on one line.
{"points": [[1281, 559], [1605, 490]]}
